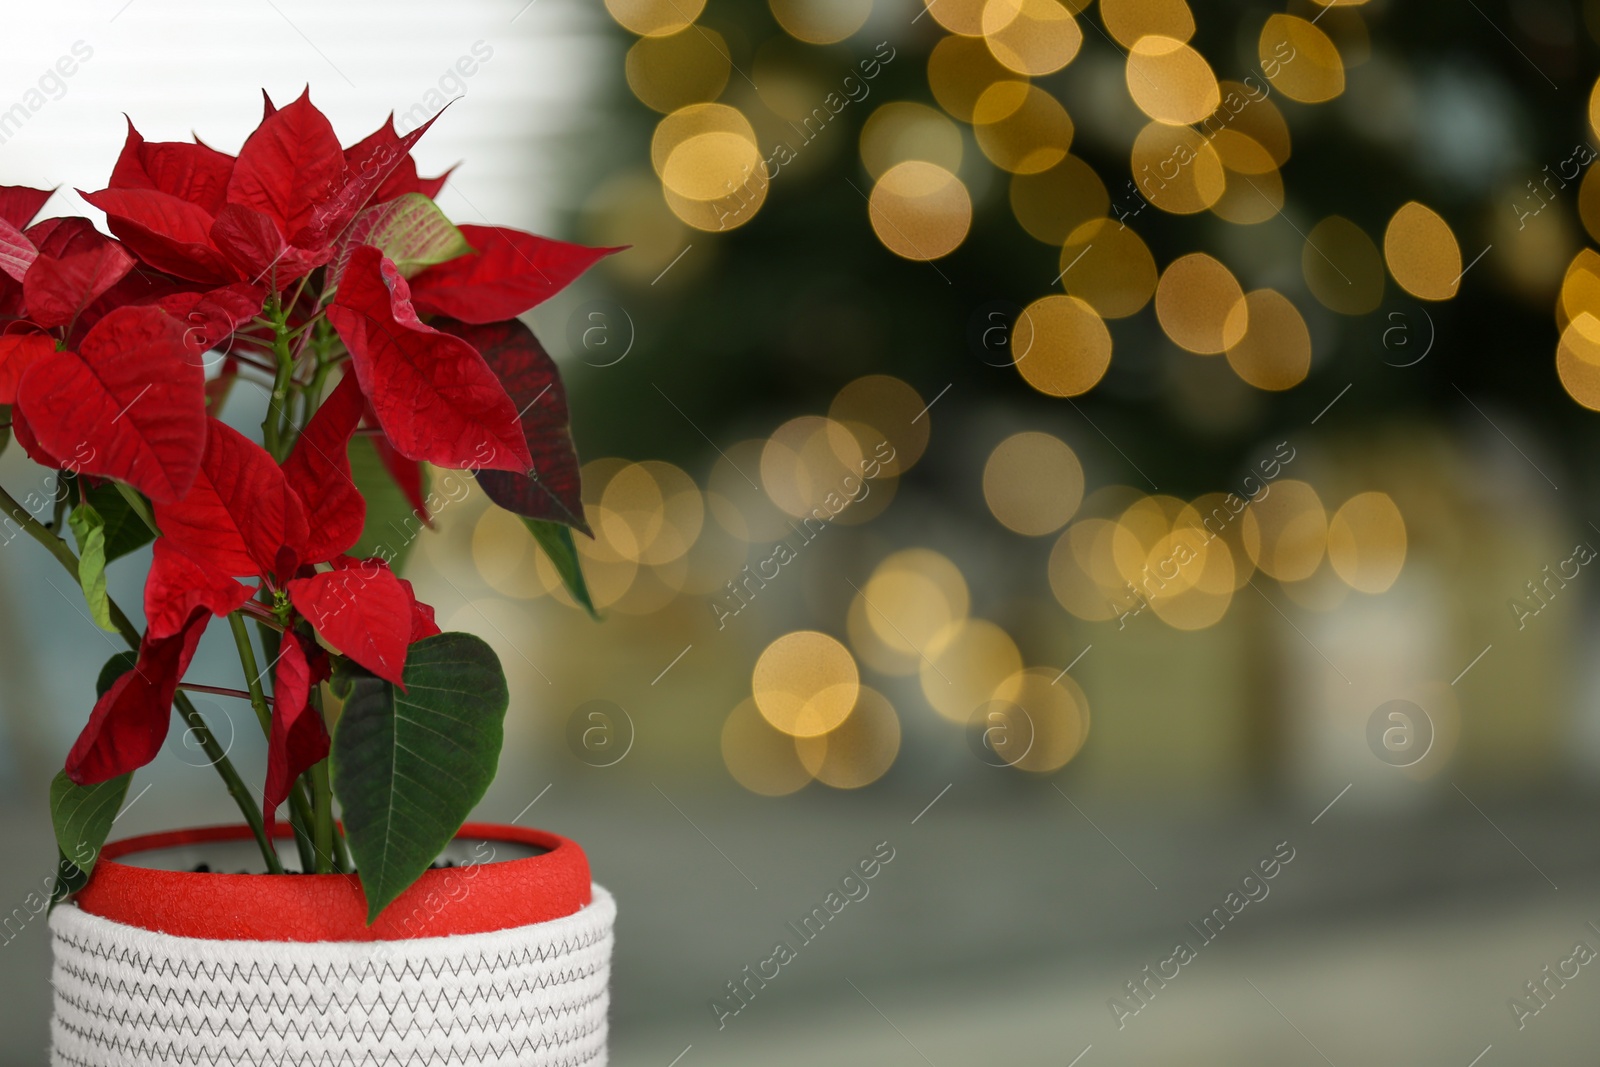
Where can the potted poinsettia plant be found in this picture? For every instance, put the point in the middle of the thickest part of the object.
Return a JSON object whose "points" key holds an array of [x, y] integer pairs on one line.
{"points": [[382, 926]]}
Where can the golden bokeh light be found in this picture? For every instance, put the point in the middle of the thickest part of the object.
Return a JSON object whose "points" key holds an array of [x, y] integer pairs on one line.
{"points": [[1064, 347], [735, 499], [1170, 81], [1250, 112], [1108, 267], [1053, 203], [1342, 267], [1055, 707], [811, 467], [626, 209], [1032, 37], [503, 552], [859, 750], [912, 597], [1580, 288], [1217, 514], [1589, 202], [1021, 128], [920, 210], [896, 416], [1193, 299], [709, 166], [1367, 542], [1274, 352], [1422, 253], [1129, 20], [965, 665], [1194, 576], [761, 758], [1140, 528], [632, 511], [870, 648], [820, 21], [1578, 360], [805, 683], [1177, 169], [1300, 60], [1285, 531], [964, 17], [1254, 191], [902, 131], [655, 18], [960, 70], [724, 213], [672, 72], [1033, 483], [1083, 571]]}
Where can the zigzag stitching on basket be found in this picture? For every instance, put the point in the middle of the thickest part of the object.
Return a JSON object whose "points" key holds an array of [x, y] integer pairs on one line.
{"points": [[278, 1002], [325, 1060], [368, 1029], [319, 973], [500, 990], [369, 1058]]}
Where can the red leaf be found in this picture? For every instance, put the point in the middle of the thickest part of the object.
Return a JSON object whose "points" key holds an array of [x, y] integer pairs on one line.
{"points": [[129, 722], [510, 272], [319, 471], [213, 315], [188, 171], [288, 166], [532, 381], [18, 352], [422, 620], [240, 511], [57, 290], [433, 394], [129, 402], [299, 738], [19, 204], [363, 611], [30, 444], [16, 251], [61, 237], [168, 233], [251, 242], [177, 586], [374, 165]]}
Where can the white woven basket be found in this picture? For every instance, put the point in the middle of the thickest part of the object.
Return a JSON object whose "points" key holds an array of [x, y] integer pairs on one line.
{"points": [[533, 996]]}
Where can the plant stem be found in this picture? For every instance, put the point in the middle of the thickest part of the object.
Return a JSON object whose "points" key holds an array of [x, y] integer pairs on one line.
{"points": [[274, 425], [230, 776], [191, 717], [322, 799], [299, 807]]}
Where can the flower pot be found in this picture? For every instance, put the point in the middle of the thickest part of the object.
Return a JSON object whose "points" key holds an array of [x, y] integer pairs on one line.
{"points": [[503, 958]]}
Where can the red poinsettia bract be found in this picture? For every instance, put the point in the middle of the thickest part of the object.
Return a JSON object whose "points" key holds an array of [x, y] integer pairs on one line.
{"points": [[328, 276]]}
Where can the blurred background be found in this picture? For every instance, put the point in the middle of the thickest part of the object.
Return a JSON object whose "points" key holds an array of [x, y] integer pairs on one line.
{"points": [[1129, 463]]}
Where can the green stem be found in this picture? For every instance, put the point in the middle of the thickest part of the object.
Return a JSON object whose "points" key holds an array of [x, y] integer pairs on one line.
{"points": [[322, 798], [273, 427], [191, 717], [299, 807], [230, 777]]}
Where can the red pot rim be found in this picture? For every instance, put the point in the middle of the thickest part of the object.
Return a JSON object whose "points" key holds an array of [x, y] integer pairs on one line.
{"points": [[475, 898]]}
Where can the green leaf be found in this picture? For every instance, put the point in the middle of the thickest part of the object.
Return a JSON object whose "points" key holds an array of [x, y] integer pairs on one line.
{"points": [[125, 530], [556, 540], [408, 767], [83, 814], [115, 668], [411, 230], [90, 530], [392, 526]]}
